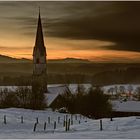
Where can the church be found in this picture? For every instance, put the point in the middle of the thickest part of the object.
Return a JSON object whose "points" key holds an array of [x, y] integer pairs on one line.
{"points": [[39, 57], [51, 92], [40, 67]]}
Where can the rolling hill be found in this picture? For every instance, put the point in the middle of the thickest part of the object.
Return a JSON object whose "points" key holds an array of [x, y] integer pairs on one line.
{"points": [[7, 59]]}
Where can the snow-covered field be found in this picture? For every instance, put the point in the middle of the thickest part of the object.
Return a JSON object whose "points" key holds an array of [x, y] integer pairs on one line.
{"points": [[128, 127], [128, 106]]}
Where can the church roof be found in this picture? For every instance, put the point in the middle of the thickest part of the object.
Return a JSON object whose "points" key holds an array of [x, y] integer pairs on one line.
{"points": [[39, 43]]}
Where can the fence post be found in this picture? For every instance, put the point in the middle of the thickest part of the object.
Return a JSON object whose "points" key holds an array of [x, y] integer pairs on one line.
{"points": [[68, 125], [75, 117], [71, 122], [4, 119], [64, 122], [35, 127], [37, 120], [101, 125], [80, 116], [21, 119], [58, 119], [49, 120], [71, 117], [45, 126], [54, 125], [79, 122]]}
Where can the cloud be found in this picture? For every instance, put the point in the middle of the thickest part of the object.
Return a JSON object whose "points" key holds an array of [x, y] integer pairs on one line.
{"points": [[121, 25], [15, 48], [117, 22]]}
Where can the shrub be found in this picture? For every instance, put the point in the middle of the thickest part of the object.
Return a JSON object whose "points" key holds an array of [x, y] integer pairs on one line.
{"points": [[37, 97], [94, 103]]}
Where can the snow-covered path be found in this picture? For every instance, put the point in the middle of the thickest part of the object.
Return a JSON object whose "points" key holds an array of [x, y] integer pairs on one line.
{"points": [[127, 127]]}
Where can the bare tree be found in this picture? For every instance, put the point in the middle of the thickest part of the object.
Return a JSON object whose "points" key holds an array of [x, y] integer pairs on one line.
{"points": [[122, 89]]}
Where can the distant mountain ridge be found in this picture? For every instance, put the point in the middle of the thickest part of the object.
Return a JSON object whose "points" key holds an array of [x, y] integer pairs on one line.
{"points": [[69, 60], [8, 59]]}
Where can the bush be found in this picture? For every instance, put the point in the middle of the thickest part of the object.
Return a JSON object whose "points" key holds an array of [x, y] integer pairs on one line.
{"points": [[8, 99], [23, 97], [37, 97], [94, 103], [97, 103], [23, 94]]}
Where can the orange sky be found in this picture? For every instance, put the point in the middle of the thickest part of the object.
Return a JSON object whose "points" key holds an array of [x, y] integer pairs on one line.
{"points": [[70, 29], [58, 48]]}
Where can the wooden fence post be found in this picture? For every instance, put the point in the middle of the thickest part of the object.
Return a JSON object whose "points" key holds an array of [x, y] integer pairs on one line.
{"points": [[80, 116], [35, 125], [21, 119], [54, 125], [79, 122], [101, 125], [49, 120], [37, 120], [75, 117], [5, 119], [58, 119], [45, 126], [111, 119], [64, 121], [68, 125], [71, 122]]}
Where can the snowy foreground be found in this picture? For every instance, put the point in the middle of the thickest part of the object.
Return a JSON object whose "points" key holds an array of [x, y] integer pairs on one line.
{"points": [[127, 127]]}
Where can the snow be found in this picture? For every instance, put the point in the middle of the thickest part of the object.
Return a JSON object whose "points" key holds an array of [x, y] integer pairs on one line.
{"points": [[117, 86], [128, 106], [127, 127], [120, 128], [54, 92], [73, 87]]}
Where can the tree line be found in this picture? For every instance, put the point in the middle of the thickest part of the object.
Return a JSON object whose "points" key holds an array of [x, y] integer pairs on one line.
{"points": [[23, 97]]}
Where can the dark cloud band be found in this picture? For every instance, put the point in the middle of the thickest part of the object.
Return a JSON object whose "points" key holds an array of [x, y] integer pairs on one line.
{"points": [[118, 22]]}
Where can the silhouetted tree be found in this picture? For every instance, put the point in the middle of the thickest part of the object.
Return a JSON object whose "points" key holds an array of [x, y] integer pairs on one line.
{"points": [[94, 103], [37, 97]]}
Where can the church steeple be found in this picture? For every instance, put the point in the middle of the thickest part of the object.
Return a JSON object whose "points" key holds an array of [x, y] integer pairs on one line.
{"points": [[39, 57], [39, 52], [39, 43]]}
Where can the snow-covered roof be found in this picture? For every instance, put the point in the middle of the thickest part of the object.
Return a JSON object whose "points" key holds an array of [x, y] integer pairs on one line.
{"points": [[53, 92]]}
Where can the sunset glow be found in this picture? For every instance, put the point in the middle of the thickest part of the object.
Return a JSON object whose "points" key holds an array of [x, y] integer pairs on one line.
{"points": [[77, 34]]}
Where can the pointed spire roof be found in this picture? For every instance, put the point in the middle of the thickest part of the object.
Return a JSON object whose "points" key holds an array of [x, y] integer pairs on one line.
{"points": [[39, 43]]}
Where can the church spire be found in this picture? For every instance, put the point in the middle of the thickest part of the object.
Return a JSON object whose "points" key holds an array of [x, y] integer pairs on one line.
{"points": [[39, 43]]}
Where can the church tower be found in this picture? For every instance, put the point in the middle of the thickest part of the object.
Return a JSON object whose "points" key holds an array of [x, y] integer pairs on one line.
{"points": [[39, 57]]}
